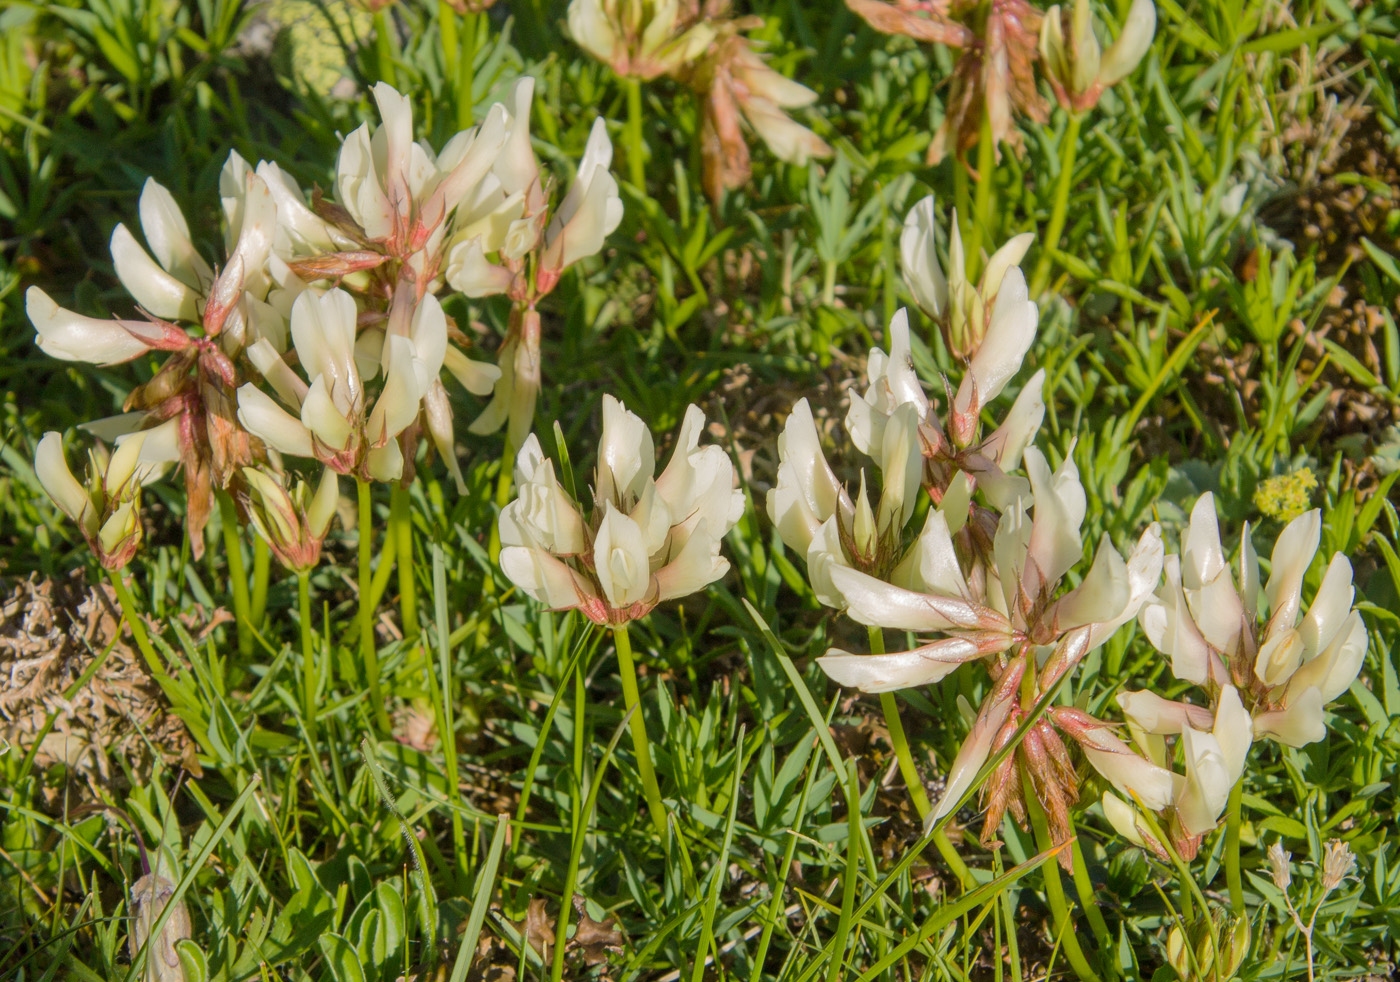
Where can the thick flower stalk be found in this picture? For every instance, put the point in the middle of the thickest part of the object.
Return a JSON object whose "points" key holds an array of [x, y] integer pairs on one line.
{"points": [[1078, 68], [106, 506], [1266, 670], [646, 540]]}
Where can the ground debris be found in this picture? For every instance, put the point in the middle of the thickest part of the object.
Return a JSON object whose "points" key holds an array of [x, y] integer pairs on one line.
{"points": [[50, 632]]}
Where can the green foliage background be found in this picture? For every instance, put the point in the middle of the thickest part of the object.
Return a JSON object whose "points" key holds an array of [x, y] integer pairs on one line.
{"points": [[1171, 369]]}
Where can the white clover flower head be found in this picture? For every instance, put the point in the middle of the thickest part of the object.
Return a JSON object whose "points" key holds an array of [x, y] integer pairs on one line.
{"points": [[522, 248], [334, 423], [649, 538], [401, 196], [1285, 667], [1267, 676]]}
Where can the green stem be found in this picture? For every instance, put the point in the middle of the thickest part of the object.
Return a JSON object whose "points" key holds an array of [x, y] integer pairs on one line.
{"points": [[308, 652], [369, 657], [627, 669], [459, 58], [1232, 847], [262, 562], [466, 73], [401, 532], [138, 628], [1054, 889], [962, 199], [910, 773], [238, 576], [635, 148], [1085, 888], [1069, 148], [829, 283], [986, 169], [447, 34], [384, 48]]}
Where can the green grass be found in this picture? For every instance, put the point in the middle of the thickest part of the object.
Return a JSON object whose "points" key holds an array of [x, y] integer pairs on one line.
{"points": [[506, 798]]}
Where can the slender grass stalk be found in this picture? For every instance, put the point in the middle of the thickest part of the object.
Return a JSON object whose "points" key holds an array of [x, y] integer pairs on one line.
{"points": [[1085, 888], [443, 693], [262, 563], [237, 575], [1060, 913], [580, 833], [912, 780], [1008, 913], [1069, 148], [133, 620], [309, 667], [775, 903], [1232, 847], [636, 171], [627, 669], [369, 656], [851, 874], [829, 283], [401, 532], [984, 195]]}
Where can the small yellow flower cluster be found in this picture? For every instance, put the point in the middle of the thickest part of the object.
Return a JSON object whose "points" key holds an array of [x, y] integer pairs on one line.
{"points": [[1285, 496]]}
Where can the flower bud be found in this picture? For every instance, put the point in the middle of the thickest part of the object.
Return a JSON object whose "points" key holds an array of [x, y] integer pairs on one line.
{"points": [[292, 523], [149, 897], [108, 509], [1234, 946]]}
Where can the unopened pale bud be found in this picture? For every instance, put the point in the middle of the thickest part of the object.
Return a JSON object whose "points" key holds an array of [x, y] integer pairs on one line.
{"points": [[149, 897]]}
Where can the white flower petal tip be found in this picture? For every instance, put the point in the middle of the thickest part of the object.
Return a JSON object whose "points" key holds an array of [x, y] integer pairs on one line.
{"points": [[903, 670]]}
